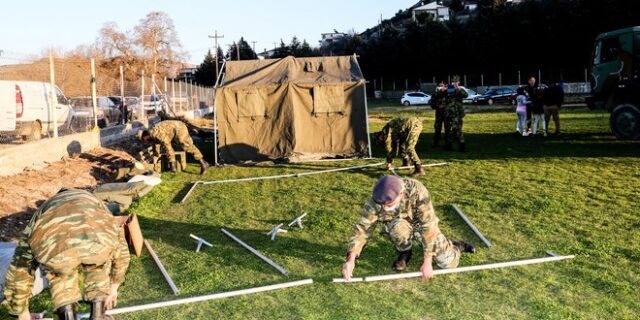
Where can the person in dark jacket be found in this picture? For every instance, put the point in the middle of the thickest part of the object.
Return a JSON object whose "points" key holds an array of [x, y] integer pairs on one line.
{"points": [[533, 91]]}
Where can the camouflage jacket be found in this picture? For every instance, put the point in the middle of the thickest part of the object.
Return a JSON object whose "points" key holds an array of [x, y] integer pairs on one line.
{"points": [[416, 208], [452, 100], [71, 228], [397, 131], [164, 132]]}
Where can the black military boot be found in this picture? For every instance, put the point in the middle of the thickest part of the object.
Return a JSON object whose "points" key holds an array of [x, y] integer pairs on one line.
{"points": [[98, 311], [401, 262], [418, 171], [172, 166], [203, 166], [464, 246], [405, 162], [67, 312], [463, 147]]}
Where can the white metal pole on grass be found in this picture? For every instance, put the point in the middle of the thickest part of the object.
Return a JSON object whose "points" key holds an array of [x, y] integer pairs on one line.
{"points": [[161, 267], [205, 298], [424, 166], [53, 98], [468, 222], [195, 184], [291, 175], [258, 254], [94, 95], [459, 270]]}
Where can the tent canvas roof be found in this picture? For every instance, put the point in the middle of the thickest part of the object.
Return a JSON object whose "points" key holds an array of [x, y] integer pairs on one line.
{"points": [[254, 73]]}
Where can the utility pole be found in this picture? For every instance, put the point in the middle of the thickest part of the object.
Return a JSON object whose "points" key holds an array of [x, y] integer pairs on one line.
{"points": [[215, 38], [254, 47]]}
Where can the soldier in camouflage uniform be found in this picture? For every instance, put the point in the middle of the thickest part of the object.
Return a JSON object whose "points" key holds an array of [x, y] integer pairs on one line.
{"points": [[454, 113], [402, 134], [404, 208], [166, 132], [438, 104], [71, 230]]}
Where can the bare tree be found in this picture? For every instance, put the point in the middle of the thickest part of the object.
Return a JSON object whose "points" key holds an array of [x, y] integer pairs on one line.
{"points": [[157, 37]]}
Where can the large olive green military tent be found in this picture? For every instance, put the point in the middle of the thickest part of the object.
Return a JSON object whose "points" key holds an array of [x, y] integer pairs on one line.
{"points": [[291, 108]]}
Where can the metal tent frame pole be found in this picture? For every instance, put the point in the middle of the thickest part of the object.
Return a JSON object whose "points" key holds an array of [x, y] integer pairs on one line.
{"points": [[205, 298], [366, 106], [473, 227], [161, 267], [258, 254], [457, 270], [215, 114]]}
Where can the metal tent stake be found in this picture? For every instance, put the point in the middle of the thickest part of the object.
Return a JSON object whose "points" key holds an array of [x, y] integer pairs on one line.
{"points": [[475, 230], [458, 270], [298, 220], [161, 267], [254, 251], [200, 242]]}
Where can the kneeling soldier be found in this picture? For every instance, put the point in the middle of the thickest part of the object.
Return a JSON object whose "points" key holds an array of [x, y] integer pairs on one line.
{"points": [[402, 134], [404, 208], [72, 229]]}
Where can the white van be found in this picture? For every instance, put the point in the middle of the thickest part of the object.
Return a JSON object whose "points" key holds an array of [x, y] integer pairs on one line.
{"points": [[30, 103]]}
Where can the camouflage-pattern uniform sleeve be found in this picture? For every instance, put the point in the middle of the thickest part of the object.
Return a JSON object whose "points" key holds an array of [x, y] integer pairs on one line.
{"points": [[121, 260], [162, 135], [425, 217], [388, 131], [21, 274], [363, 229], [461, 94]]}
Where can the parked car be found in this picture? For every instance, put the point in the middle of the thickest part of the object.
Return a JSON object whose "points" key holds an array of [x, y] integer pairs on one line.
{"points": [[415, 98], [108, 112], [153, 103], [29, 101], [471, 95], [494, 95]]}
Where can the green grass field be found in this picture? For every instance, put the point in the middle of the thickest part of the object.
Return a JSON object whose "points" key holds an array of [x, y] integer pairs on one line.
{"points": [[573, 194]]}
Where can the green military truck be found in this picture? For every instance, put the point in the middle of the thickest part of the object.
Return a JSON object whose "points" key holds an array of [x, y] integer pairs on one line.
{"points": [[615, 82]]}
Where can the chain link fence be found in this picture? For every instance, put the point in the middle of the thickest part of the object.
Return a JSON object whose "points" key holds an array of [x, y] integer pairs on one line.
{"points": [[83, 95]]}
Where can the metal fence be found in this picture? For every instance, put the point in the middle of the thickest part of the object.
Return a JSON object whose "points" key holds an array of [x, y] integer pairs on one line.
{"points": [[83, 94]]}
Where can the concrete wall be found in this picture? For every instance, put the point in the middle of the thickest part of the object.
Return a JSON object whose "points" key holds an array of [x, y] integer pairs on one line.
{"points": [[33, 155]]}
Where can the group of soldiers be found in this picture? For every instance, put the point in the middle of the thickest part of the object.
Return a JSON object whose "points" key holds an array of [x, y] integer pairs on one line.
{"points": [[400, 135], [74, 231]]}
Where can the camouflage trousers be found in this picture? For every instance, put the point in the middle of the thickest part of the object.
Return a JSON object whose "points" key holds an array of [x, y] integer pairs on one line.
{"points": [[453, 126], [402, 234], [437, 125], [407, 147], [184, 140], [65, 288]]}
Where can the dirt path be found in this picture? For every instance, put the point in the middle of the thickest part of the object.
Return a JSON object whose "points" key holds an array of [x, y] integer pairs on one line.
{"points": [[22, 193]]}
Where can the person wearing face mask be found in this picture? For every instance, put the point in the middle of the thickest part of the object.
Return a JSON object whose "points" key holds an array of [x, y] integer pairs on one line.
{"points": [[404, 208]]}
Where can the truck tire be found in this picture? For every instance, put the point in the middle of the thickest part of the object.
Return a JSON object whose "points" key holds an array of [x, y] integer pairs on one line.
{"points": [[35, 133], [625, 122]]}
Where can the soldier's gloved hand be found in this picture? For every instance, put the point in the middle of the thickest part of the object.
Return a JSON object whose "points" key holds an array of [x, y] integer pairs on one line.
{"points": [[347, 267], [427, 269], [112, 299]]}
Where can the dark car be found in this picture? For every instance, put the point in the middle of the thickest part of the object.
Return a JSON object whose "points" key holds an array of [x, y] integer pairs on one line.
{"points": [[494, 95], [108, 112]]}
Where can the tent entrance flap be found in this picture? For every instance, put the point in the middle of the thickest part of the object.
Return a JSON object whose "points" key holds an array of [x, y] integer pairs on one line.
{"points": [[281, 109]]}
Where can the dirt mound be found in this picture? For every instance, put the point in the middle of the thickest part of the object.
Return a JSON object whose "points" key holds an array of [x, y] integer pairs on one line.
{"points": [[22, 193]]}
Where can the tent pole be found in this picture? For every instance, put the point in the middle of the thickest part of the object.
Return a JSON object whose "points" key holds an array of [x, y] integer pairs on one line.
{"points": [[473, 227], [161, 267], [291, 175], [215, 118], [366, 111], [203, 298], [258, 254], [458, 270]]}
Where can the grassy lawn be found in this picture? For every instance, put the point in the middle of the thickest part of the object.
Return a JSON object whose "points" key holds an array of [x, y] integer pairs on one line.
{"points": [[573, 194]]}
